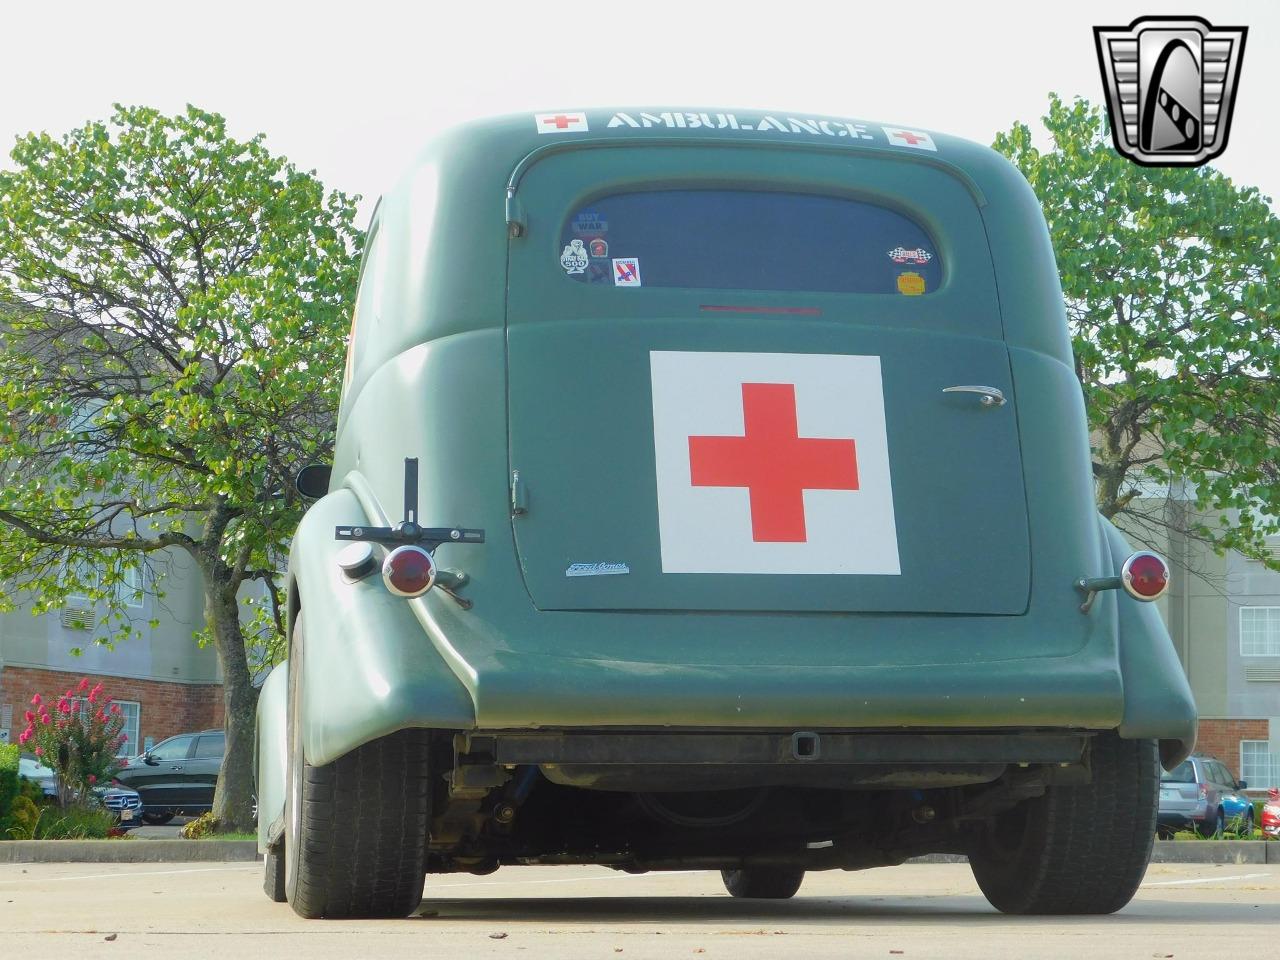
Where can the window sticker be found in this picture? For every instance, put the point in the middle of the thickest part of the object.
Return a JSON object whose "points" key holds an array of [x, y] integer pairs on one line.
{"points": [[910, 283], [590, 223], [599, 247], [902, 255], [574, 258], [626, 271]]}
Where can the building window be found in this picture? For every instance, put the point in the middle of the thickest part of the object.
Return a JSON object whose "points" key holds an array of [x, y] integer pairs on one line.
{"points": [[1259, 767], [132, 713], [129, 587], [1260, 631], [88, 576]]}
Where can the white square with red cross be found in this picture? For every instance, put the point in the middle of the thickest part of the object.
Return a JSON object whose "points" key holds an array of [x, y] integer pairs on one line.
{"points": [[561, 122], [772, 463], [916, 139]]}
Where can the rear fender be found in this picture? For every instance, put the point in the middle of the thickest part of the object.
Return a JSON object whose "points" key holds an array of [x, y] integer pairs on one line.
{"points": [[370, 669], [270, 755], [1158, 703]]}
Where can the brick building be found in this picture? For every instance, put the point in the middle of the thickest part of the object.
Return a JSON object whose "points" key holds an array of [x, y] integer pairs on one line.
{"points": [[1223, 614], [164, 682]]}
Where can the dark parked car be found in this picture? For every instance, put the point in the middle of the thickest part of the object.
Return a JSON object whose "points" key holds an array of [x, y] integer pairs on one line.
{"points": [[1202, 795], [177, 775], [125, 803]]}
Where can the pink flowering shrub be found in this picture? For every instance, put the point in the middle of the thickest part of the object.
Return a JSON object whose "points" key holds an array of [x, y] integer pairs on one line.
{"points": [[78, 738]]}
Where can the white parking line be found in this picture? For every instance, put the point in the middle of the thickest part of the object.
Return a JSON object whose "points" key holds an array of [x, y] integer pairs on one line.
{"points": [[513, 883], [1177, 883], [117, 876]]}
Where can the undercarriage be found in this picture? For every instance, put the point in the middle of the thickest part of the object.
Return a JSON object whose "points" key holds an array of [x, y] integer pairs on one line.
{"points": [[814, 800]]}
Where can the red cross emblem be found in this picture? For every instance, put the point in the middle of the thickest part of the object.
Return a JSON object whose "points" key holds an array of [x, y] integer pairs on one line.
{"points": [[773, 462], [560, 122], [907, 135]]}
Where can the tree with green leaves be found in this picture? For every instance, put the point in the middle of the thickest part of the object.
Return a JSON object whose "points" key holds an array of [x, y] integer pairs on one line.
{"points": [[1172, 283], [173, 307]]}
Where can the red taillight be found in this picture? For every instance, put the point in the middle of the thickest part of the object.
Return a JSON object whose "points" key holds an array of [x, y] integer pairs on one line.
{"points": [[1145, 576], [1204, 793], [408, 571]]}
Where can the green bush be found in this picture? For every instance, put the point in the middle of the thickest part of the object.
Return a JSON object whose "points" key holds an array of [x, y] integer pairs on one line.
{"points": [[9, 754], [202, 826], [22, 820], [73, 823]]}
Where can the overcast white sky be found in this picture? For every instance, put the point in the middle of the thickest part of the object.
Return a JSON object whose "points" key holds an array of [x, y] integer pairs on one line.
{"points": [[351, 90]]}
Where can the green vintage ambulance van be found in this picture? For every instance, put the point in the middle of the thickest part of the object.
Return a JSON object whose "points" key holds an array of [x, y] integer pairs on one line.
{"points": [[712, 491]]}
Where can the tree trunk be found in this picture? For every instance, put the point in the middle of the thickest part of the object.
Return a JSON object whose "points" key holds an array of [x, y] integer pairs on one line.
{"points": [[233, 798]]}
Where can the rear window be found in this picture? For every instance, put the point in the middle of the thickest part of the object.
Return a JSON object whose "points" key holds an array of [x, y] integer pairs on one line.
{"points": [[1182, 773], [211, 747], [748, 240]]}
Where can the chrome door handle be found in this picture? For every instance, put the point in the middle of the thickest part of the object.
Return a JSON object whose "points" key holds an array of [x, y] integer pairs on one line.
{"points": [[987, 396]]}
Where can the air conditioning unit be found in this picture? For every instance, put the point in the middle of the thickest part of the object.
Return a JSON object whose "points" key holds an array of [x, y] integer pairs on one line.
{"points": [[77, 618], [1262, 674]]}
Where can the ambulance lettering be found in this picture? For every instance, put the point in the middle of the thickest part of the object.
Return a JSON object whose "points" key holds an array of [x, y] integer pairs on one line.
{"points": [[802, 126], [772, 463]]}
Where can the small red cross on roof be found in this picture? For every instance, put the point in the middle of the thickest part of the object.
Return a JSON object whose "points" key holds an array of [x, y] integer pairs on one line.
{"points": [[907, 135], [560, 121], [773, 462]]}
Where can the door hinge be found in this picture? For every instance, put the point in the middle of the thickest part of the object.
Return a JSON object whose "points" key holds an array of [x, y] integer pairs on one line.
{"points": [[515, 216], [519, 495]]}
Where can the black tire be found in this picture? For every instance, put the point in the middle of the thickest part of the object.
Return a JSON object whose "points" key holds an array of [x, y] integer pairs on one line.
{"points": [[157, 819], [355, 829], [1076, 849], [273, 873], [763, 883]]}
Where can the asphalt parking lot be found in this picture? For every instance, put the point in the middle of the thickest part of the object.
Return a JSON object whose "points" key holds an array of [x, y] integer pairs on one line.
{"points": [[933, 910]]}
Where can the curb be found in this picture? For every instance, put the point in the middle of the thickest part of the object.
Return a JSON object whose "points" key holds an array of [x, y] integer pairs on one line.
{"points": [[126, 851], [187, 851], [1216, 851], [1175, 851]]}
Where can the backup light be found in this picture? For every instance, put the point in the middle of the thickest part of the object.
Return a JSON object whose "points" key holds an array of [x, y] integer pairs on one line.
{"points": [[409, 571], [1145, 576]]}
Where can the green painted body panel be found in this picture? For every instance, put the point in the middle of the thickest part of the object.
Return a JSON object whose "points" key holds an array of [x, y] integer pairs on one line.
{"points": [[957, 480], [270, 753], [452, 373]]}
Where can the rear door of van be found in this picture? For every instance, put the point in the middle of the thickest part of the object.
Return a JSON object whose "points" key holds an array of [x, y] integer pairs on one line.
{"points": [[744, 378]]}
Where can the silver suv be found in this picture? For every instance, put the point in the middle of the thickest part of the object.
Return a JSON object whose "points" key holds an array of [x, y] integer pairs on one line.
{"points": [[1201, 794]]}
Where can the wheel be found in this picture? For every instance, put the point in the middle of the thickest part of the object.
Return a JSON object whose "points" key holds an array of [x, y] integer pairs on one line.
{"points": [[763, 883], [355, 829], [157, 819], [273, 873], [1076, 849]]}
